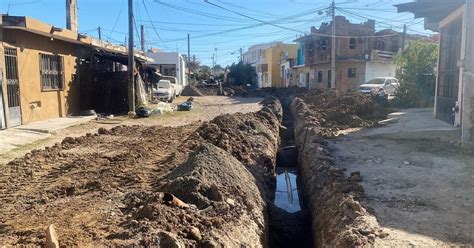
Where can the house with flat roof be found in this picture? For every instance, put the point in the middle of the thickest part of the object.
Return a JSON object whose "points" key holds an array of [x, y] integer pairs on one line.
{"points": [[49, 72]]}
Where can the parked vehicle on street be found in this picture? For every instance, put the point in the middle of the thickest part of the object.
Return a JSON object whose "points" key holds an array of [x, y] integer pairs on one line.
{"points": [[178, 88], [210, 83], [387, 84], [164, 91]]}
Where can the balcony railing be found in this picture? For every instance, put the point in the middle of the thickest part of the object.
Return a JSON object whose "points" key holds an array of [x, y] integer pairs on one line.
{"points": [[384, 56]]}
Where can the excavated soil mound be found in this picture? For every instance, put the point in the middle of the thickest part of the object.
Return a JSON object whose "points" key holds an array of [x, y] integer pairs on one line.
{"points": [[339, 215], [336, 111], [226, 208]]}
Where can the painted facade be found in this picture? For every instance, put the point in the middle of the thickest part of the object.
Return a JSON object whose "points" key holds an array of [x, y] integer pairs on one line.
{"points": [[267, 60], [40, 69], [361, 54]]}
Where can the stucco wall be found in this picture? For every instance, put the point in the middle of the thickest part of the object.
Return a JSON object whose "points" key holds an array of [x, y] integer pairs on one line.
{"points": [[374, 69], [57, 103], [343, 82]]}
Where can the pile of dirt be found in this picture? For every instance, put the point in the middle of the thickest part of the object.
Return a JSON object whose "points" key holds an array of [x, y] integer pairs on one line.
{"points": [[191, 90], [337, 207], [107, 188], [252, 138], [225, 206], [337, 111]]}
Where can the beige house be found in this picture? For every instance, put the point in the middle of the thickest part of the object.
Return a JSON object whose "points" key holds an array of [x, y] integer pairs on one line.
{"points": [[40, 69]]}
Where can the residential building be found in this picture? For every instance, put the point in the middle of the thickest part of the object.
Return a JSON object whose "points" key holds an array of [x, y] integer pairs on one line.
{"points": [[454, 99], [361, 54], [49, 72], [267, 58], [170, 64]]}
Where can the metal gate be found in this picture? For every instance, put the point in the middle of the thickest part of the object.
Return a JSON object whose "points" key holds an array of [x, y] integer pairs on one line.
{"points": [[13, 86], [448, 77]]}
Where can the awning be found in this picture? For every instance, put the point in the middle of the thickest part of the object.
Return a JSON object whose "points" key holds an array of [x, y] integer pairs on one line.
{"points": [[432, 10]]}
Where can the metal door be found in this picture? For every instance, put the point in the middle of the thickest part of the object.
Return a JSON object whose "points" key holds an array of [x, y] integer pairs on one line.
{"points": [[13, 87]]}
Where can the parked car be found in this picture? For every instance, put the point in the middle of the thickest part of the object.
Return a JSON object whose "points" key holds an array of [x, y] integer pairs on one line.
{"points": [[178, 88], [210, 83], [164, 91], [388, 84]]}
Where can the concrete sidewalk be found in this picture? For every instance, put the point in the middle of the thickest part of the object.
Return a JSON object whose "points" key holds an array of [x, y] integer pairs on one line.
{"points": [[26, 134], [416, 123]]}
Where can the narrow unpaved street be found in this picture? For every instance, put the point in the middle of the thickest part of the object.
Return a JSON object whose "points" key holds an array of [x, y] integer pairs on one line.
{"points": [[205, 109], [419, 185]]}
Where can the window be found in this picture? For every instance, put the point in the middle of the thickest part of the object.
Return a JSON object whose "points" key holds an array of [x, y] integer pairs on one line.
{"points": [[323, 44], [352, 43], [320, 76], [351, 73], [51, 72]]}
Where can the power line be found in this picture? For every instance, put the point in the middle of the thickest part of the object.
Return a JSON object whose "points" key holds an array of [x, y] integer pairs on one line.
{"points": [[154, 29], [117, 19]]}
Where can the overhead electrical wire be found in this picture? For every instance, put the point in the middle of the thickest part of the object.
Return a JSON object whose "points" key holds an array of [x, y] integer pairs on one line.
{"points": [[153, 26]]}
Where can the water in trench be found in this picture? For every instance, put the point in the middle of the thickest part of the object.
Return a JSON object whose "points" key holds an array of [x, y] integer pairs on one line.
{"points": [[286, 193], [289, 220]]}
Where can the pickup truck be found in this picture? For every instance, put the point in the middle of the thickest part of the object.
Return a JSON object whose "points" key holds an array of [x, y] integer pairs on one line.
{"points": [[178, 88]]}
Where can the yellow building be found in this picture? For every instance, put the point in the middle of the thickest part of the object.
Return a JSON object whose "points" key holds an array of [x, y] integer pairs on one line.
{"points": [[270, 72], [40, 66]]}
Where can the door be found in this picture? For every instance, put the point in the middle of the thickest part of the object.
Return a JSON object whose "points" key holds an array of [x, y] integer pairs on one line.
{"points": [[13, 87], [448, 74]]}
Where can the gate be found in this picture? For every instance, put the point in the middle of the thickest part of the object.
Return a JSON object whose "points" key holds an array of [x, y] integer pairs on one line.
{"points": [[448, 76], [13, 86]]}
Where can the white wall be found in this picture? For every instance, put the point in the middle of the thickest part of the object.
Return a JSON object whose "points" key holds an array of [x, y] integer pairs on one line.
{"points": [[169, 58], [377, 69]]}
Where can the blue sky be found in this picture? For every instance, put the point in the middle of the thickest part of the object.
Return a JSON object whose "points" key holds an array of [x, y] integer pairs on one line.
{"points": [[211, 28]]}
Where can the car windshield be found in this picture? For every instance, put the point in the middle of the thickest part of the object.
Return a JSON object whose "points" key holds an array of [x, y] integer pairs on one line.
{"points": [[164, 84], [376, 81]]}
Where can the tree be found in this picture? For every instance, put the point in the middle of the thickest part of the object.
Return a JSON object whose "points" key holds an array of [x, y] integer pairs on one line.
{"points": [[242, 73], [204, 72], [416, 74]]}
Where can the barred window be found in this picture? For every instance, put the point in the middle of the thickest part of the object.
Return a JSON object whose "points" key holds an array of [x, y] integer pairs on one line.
{"points": [[51, 72]]}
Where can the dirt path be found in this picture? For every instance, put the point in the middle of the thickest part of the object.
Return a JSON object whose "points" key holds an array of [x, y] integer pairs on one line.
{"points": [[205, 109], [421, 189]]}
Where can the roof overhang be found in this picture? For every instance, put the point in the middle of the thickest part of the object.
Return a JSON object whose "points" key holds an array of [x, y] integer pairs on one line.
{"points": [[34, 26], [432, 10]]}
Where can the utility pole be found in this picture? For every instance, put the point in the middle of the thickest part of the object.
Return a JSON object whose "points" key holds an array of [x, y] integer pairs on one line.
{"points": [[212, 67], [403, 37], [142, 37], [215, 52], [100, 33], [189, 59], [131, 59], [333, 47], [241, 58]]}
